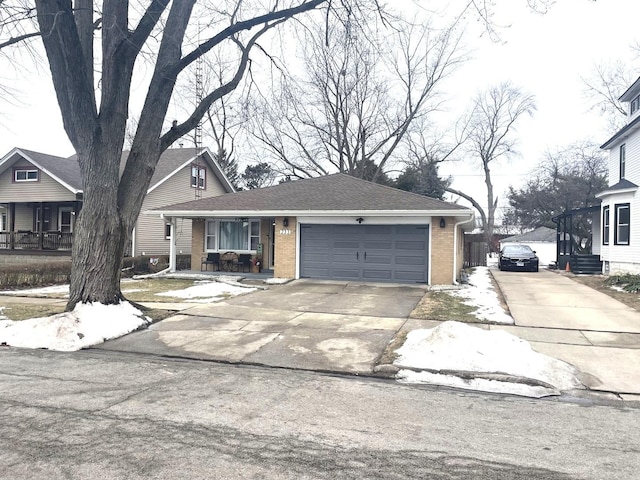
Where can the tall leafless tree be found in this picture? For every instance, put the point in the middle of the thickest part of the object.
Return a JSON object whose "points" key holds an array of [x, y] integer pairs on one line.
{"points": [[493, 120], [95, 119], [357, 99]]}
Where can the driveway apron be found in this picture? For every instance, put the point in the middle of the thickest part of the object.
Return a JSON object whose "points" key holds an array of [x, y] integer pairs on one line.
{"points": [[323, 326], [575, 323]]}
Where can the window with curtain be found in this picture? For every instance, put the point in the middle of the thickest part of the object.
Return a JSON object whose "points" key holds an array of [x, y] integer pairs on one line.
{"points": [[234, 235]]}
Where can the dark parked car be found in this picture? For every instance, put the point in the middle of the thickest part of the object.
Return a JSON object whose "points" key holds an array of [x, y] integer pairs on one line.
{"points": [[518, 257]]}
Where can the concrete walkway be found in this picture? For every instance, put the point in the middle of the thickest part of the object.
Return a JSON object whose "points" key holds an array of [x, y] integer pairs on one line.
{"points": [[575, 323]]}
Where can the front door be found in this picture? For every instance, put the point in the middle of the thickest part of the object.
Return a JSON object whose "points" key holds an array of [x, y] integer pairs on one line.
{"points": [[65, 220]]}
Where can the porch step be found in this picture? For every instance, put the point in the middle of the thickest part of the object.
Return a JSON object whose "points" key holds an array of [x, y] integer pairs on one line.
{"points": [[586, 264]]}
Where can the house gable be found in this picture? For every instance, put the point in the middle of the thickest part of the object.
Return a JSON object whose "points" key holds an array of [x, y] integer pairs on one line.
{"points": [[47, 187]]}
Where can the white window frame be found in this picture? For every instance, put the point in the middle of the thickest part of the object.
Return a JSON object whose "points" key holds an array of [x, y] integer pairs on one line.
{"points": [[61, 210], [198, 177], [3, 222], [216, 236], [26, 171], [623, 160], [167, 231]]}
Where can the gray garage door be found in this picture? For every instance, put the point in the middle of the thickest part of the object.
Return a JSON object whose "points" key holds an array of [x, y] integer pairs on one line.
{"points": [[381, 253]]}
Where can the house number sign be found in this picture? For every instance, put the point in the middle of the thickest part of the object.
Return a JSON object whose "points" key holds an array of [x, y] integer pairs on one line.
{"points": [[285, 231]]}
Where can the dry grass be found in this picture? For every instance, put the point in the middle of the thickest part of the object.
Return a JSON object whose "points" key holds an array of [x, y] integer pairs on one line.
{"points": [[24, 311], [146, 292], [442, 306], [389, 355]]}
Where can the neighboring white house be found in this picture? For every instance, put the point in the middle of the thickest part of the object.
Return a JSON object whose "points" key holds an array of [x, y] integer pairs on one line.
{"points": [[620, 208], [542, 240]]}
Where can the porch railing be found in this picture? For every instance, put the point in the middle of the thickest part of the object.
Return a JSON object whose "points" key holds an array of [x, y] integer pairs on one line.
{"points": [[26, 240]]}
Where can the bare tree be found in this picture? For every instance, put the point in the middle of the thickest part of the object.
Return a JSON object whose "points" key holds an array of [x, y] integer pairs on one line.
{"points": [[353, 108], [604, 87], [493, 119], [95, 120]]}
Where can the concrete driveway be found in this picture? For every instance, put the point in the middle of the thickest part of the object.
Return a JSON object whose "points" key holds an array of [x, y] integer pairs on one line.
{"points": [[323, 326], [575, 323]]}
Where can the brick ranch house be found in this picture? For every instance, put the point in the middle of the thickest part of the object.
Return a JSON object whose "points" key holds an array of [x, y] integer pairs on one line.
{"points": [[334, 227]]}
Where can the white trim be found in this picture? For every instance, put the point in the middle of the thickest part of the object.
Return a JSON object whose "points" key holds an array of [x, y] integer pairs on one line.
{"points": [[36, 164], [133, 242], [65, 209], [315, 215], [615, 192]]}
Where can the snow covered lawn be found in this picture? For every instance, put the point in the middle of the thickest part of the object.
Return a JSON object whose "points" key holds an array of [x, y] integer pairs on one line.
{"points": [[460, 355], [87, 325], [91, 324], [480, 294]]}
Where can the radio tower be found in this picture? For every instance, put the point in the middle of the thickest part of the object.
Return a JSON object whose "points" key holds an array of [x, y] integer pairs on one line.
{"points": [[197, 135]]}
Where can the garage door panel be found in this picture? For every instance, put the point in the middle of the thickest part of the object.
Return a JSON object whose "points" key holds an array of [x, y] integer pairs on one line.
{"points": [[410, 260], [346, 244], [392, 253], [378, 259]]}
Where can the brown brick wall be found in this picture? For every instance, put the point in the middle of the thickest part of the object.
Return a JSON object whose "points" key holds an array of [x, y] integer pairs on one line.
{"points": [[285, 249], [197, 243], [442, 251]]}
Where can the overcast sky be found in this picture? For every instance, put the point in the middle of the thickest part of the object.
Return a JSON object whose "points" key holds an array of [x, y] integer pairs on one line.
{"points": [[546, 55]]}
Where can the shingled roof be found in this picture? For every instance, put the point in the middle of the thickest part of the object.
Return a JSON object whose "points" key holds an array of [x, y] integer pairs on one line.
{"points": [[331, 193], [67, 170], [540, 234]]}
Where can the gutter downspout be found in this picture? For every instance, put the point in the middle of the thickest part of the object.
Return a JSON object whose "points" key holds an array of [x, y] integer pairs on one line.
{"points": [[133, 242], [172, 244], [455, 246]]}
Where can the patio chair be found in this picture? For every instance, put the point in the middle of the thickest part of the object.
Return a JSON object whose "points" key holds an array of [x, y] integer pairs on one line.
{"points": [[212, 259], [244, 261]]}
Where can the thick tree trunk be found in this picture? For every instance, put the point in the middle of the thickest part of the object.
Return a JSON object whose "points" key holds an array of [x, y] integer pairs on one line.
{"points": [[100, 232]]}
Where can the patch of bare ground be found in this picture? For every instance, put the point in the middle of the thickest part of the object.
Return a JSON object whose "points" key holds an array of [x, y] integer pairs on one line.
{"points": [[597, 283], [438, 305]]}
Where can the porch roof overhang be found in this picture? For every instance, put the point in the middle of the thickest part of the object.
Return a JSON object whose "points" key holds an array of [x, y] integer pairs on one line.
{"points": [[459, 215], [623, 186]]}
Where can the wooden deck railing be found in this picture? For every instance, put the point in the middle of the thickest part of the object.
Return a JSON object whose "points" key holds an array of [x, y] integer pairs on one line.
{"points": [[25, 240]]}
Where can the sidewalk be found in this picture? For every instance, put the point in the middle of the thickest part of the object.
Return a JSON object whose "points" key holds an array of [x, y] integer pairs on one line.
{"points": [[572, 322]]}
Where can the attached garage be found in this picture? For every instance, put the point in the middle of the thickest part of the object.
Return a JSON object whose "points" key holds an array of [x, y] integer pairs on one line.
{"points": [[381, 253], [337, 227]]}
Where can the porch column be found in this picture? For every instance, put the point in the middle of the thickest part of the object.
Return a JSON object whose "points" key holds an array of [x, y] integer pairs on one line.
{"points": [[172, 245], [12, 225]]}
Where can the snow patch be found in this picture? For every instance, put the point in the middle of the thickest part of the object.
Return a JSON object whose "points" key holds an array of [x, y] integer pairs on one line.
{"points": [[87, 325], [277, 281], [207, 291], [480, 293], [458, 347], [38, 291]]}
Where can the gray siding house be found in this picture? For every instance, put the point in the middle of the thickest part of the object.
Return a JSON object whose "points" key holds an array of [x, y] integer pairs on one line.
{"points": [[40, 196]]}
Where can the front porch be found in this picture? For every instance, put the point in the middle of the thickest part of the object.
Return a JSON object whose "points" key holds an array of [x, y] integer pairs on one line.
{"points": [[28, 240], [38, 226], [578, 240]]}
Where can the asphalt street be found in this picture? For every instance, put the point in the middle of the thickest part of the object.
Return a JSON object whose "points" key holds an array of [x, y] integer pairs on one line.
{"points": [[109, 415]]}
